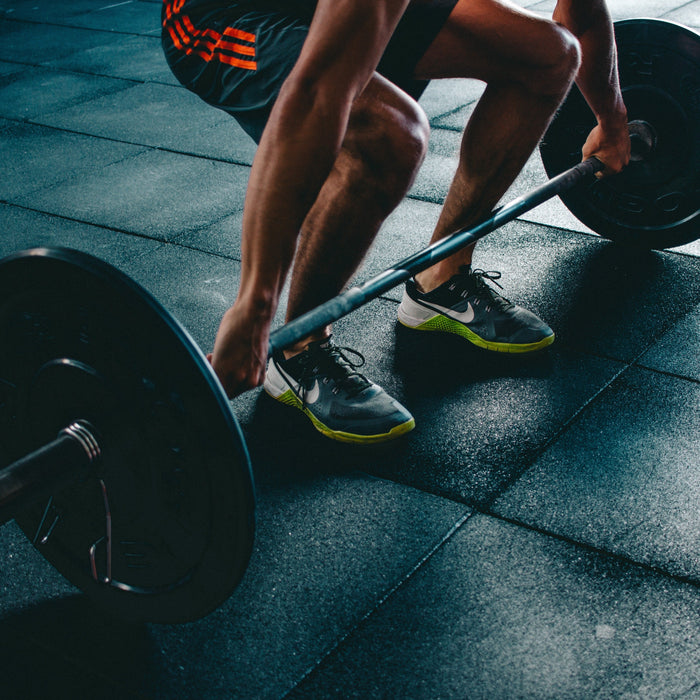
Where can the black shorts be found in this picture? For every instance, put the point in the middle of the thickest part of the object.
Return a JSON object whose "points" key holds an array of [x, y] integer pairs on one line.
{"points": [[236, 55]]}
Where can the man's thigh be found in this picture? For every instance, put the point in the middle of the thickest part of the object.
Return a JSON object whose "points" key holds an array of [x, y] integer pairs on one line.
{"points": [[490, 40]]}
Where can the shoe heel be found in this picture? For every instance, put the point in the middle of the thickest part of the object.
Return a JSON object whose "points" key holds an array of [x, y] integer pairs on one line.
{"points": [[413, 315], [274, 383]]}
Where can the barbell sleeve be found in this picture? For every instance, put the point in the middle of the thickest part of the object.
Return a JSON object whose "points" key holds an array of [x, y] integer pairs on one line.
{"points": [[354, 297], [38, 474]]}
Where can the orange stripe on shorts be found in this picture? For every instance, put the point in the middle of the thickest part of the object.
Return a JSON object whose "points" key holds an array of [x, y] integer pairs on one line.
{"points": [[207, 43]]}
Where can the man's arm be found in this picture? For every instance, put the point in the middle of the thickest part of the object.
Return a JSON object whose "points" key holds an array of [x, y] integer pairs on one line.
{"points": [[590, 22], [298, 148]]}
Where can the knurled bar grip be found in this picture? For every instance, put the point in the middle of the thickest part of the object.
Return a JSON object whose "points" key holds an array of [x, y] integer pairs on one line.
{"points": [[38, 474], [353, 298]]}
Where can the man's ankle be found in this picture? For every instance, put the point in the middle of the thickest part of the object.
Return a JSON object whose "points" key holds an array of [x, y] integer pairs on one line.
{"points": [[435, 276], [303, 345]]}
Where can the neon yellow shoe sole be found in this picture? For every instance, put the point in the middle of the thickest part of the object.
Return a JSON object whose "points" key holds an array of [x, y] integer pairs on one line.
{"points": [[289, 398], [444, 324]]}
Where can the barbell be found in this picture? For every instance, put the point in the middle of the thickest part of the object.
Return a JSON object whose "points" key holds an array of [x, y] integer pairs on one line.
{"points": [[127, 468]]}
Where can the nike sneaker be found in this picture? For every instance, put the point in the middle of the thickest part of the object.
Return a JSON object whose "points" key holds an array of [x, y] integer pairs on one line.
{"points": [[323, 382], [469, 307]]}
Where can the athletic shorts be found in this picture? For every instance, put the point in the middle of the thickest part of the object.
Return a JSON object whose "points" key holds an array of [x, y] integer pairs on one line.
{"points": [[236, 55]]}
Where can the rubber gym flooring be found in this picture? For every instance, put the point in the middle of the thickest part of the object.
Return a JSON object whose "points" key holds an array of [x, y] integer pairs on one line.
{"points": [[536, 536]]}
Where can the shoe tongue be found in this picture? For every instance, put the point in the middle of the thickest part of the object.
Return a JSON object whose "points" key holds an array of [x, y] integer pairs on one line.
{"points": [[463, 280], [342, 370], [463, 277]]}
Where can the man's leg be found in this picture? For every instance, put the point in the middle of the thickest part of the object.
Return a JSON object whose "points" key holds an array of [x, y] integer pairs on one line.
{"points": [[384, 147], [528, 65]]}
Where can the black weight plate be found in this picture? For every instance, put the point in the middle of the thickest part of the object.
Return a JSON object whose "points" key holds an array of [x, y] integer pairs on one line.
{"points": [[80, 340], [654, 203]]}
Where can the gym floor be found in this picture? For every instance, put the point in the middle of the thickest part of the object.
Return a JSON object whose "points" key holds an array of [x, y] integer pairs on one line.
{"points": [[537, 535]]}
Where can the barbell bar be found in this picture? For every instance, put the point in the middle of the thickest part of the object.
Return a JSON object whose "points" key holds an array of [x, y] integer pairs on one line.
{"points": [[127, 467]]}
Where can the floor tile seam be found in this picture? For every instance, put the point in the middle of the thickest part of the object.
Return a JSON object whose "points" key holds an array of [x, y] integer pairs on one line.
{"points": [[198, 249], [692, 689], [677, 8], [54, 65], [51, 66], [75, 174], [40, 23], [636, 361], [449, 113], [93, 74], [627, 365], [104, 227], [45, 66], [666, 373], [34, 121], [78, 102], [617, 556], [60, 182], [557, 434], [596, 236], [24, 64], [457, 526], [444, 127], [592, 234], [522, 219], [146, 149], [135, 234]]}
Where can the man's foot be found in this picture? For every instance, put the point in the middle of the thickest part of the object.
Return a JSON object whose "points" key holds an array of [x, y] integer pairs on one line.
{"points": [[341, 403], [467, 306]]}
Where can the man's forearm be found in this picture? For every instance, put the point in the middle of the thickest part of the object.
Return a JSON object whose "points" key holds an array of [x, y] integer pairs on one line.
{"points": [[597, 78], [294, 158]]}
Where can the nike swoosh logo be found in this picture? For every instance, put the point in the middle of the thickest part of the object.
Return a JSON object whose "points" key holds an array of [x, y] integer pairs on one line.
{"points": [[309, 396], [466, 316]]}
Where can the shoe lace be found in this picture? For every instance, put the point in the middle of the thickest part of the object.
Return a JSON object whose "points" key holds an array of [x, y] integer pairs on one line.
{"points": [[484, 291], [333, 362]]}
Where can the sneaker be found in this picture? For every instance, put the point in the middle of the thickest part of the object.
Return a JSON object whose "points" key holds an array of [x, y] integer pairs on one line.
{"points": [[467, 306], [323, 382]]}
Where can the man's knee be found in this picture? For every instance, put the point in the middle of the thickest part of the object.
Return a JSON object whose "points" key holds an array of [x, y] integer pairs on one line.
{"points": [[389, 137], [563, 58], [403, 134]]}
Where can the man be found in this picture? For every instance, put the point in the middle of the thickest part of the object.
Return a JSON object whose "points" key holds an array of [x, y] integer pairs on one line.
{"points": [[324, 85]]}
